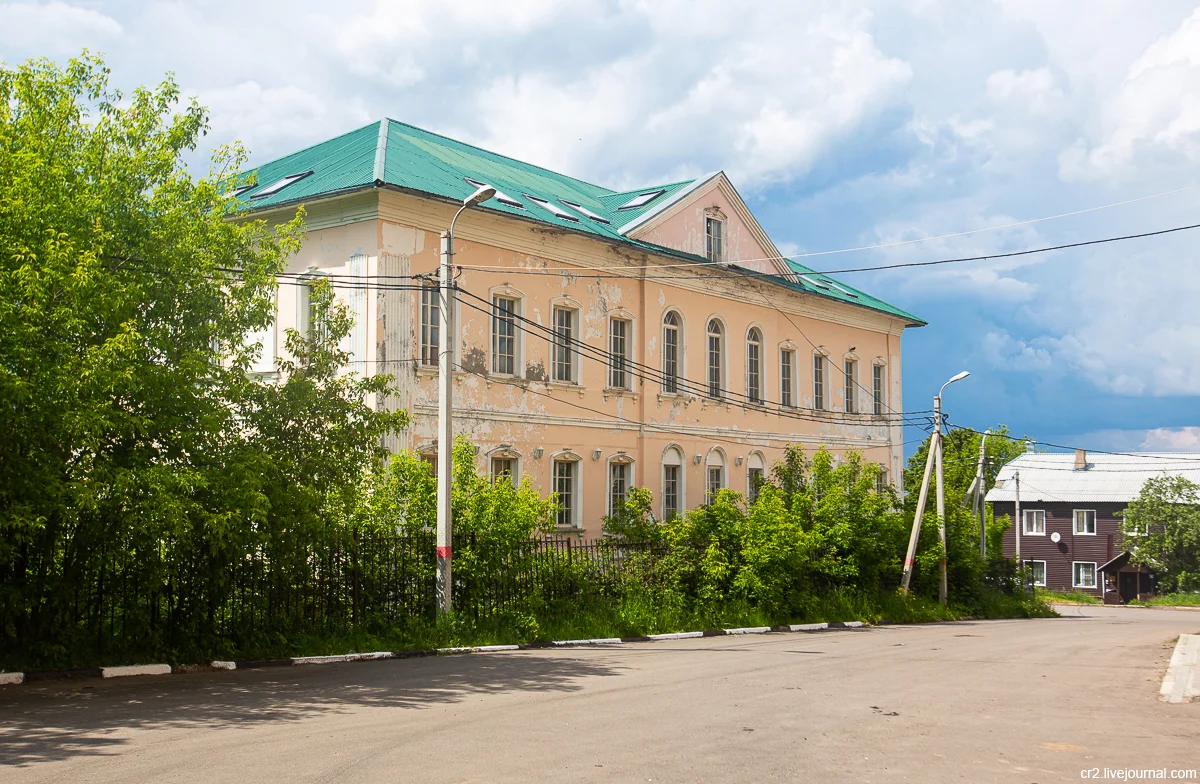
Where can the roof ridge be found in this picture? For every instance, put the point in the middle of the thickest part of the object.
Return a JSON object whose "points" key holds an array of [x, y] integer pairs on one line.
{"points": [[313, 146], [501, 155], [381, 151], [664, 185]]}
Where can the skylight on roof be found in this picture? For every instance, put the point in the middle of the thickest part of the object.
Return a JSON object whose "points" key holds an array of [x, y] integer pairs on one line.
{"points": [[500, 196], [279, 185], [814, 282], [844, 290], [552, 208], [641, 200], [585, 211]]}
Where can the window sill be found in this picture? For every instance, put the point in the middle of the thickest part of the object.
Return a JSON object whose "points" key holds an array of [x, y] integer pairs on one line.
{"points": [[714, 402], [427, 370], [564, 386], [1030, 533], [568, 529], [675, 397], [1082, 533], [617, 392]]}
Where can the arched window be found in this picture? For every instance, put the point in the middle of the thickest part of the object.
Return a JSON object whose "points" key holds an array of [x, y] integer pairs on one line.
{"points": [[754, 365], [673, 480], [756, 474], [671, 332], [716, 368], [714, 474]]}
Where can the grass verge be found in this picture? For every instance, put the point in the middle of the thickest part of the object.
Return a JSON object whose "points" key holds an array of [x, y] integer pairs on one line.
{"points": [[1172, 600], [1066, 597]]}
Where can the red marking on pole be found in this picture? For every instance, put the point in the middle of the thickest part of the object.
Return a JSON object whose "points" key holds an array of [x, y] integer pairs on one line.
{"points": [[443, 552], [908, 562]]}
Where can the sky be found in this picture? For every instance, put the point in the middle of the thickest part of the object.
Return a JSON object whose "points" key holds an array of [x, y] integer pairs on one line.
{"points": [[843, 124]]}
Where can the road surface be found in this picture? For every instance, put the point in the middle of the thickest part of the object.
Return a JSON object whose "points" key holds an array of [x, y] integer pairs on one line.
{"points": [[1007, 701]]}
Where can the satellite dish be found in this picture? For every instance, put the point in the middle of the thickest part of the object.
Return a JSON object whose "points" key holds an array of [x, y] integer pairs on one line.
{"points": [[1055, 537]]}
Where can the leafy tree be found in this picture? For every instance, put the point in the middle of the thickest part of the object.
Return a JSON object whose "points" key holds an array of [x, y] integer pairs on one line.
{"points": [[960, 456], [1163, 526]]}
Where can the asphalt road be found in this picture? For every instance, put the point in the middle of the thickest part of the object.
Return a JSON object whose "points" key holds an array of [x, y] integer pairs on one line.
{"points": [[1008, 701]]}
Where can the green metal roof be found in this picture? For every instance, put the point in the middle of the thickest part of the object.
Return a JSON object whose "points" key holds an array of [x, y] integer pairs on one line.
{"points": [[391, 153]]}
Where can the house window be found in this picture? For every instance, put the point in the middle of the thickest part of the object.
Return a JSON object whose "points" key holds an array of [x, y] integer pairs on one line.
{"points": [[715, 359], [714, 231], [877, 389], [754, 365], [672, 490], [1035, 522], [566, 474], [881, 480], [818, 382], [430, 325], [1083, 574], [504, 468], [430, 459], [307, 319], [756, 474], [618, 486], [1085, 522], [504, 335], [563, 350], [1037, 572], [714, 474], [851, 372], [671, 352], [787, 360], [618, 346]]}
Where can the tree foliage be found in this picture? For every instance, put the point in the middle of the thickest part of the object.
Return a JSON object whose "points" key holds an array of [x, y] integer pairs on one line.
{"points": [[1162, 525]]}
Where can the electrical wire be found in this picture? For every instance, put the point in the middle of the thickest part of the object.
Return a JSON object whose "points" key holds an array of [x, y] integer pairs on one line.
{"points": [[1140, 455]]}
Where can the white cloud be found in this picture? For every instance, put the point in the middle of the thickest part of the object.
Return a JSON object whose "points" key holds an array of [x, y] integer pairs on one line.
{"points": [[1007, 353], [54, 28], [1152, 121], [1166, 439], [1032, 90]]}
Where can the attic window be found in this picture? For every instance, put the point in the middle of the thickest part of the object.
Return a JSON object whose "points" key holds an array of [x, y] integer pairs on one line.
{"points": [[552, 208], [814, 282], [238, 190], [844, 290], [642, 200], [500, 196], [585, 211], [279, 185]]}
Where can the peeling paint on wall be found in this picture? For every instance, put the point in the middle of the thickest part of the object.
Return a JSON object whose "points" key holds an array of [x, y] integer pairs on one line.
{"points": [[535, 371], [474, 360]]}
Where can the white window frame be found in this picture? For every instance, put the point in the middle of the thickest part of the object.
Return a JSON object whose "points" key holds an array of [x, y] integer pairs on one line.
{"points": [[681, 480], [1074, 573], [709, 492], [820, 391], [575, 510], [1041, 584], [514, 476], [615, 461], [568, 344], [1075, 522], [881, 479], [755, 387], [430, 325], [518, 351], [787, 381], [672, 380], [714, 241], [850, 384], [1026, 517], [751, 494], [722, 358], [620, 378], [878, 388]]}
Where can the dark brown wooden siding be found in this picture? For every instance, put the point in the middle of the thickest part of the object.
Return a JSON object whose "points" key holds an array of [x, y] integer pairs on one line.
{"points": [[1072, 547]]}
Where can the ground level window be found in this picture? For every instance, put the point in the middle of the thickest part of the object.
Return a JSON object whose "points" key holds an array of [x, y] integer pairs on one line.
{"points": [[1083, 575], [670, 494], [504, 468], [618, 486], [1037, 572], [430, 459], [564, 486]]}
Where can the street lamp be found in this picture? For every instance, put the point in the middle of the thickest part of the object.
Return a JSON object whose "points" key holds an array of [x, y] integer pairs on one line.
{"points": [[445, 455], [934, 458]]}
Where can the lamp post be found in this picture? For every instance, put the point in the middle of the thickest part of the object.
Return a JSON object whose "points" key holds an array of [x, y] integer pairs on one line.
{"points": [[445, 455], [933, 459]]}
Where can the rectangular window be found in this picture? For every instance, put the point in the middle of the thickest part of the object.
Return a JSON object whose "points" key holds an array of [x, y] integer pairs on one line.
{"points": [[430, 459], [670, 491], [715, 481], [671, 354], [1085, 522], [754, 480], [563, 349], [1083, 574], [754, 371], [618, 486], [786, 362], [851, 372], [504, 335], [504, 468], [1035, 522], [714, 231], [714, 365], [881, 480], [618, 377], [877, 389], [431, 325], [1037, 572], [818, 382], [564, 487]]}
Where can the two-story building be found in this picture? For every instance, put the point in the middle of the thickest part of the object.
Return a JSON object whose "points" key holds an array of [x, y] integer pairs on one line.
{"points": [[604, 340], [1069, 528]]}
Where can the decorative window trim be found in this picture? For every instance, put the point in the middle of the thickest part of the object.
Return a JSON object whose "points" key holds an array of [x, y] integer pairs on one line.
{"points": [[820, 402], [879, 403], [631, 360], [723, 358], [681, 490], [509, 292], [762, 365], [626, 460], [569, 456], [566, 303], [850, 384], [681, 383], [716, 251], [708, 493], [754, 453]]}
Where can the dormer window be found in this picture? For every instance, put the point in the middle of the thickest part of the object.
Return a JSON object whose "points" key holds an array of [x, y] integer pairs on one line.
{"points": [[500, 196], [585, 211], [279, 185], [641, 200], [552, 208], [714, 235]]}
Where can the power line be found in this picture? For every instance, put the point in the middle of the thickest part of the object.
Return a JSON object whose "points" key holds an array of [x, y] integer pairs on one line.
{"points": [[1142, 455]]}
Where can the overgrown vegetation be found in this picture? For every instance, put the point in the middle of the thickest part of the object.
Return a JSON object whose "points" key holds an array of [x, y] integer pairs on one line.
{"points": [[1066, 597], [1163, 525], [159, 502], [1172, 600]]}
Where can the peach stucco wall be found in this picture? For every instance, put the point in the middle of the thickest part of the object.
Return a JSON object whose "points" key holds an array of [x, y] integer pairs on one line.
{"points": [[526, 413]]}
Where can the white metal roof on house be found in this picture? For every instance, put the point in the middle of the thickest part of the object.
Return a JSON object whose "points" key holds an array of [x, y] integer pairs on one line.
{"points": [[1108, 477]]}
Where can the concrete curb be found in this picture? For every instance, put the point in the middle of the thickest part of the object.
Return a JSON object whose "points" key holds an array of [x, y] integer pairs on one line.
{"points": [[1182, 681], [14, 678]]}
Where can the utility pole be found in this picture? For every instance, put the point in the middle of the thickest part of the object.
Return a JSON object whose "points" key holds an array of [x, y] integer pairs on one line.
{"points": [[1017, 513], [933, 459], [980, 489], [445, 456]]}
